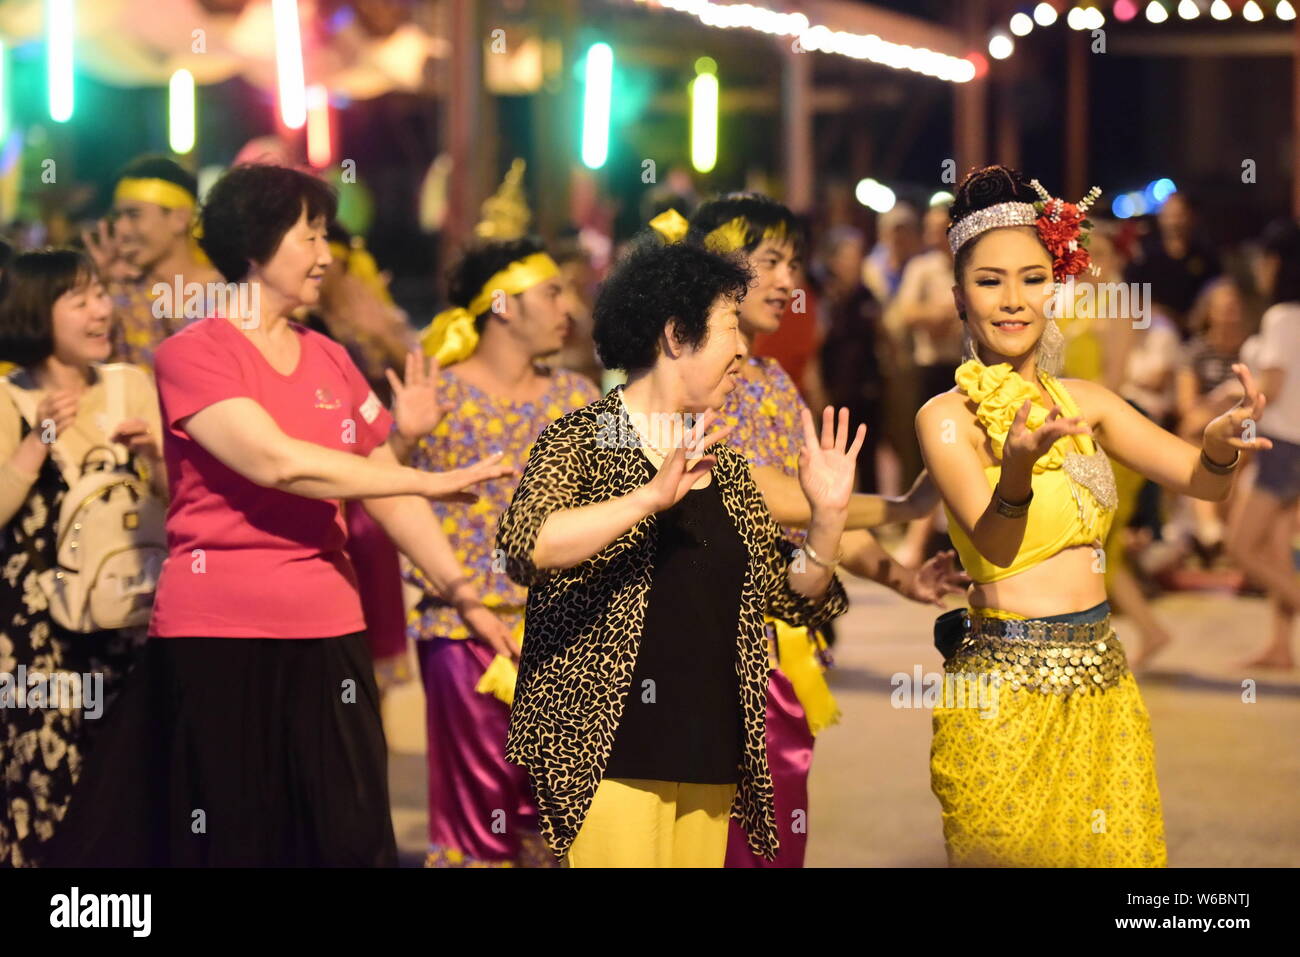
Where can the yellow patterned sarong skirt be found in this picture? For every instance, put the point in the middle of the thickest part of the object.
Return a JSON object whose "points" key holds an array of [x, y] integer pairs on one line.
{"points": [[1048, 760]]}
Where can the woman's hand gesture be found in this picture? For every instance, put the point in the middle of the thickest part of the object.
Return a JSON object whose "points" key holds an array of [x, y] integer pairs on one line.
{"points": [[1029, 445], [1225, 432], [416, 408], [450, 486], [685, 464], [826, 467]]}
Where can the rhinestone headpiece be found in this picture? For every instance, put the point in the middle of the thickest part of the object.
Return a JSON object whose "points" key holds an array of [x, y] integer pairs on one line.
{"points": [[991, 217]]}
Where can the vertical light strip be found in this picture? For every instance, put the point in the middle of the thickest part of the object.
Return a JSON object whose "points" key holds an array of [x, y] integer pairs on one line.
{"points": [[60, 25], [4, 91], [319, 148], [595, 105], [288, 63], [704, 122], [180, 111]]}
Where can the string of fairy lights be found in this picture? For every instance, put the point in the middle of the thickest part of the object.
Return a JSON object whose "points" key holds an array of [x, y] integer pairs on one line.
{"points": [[1090, 16]]}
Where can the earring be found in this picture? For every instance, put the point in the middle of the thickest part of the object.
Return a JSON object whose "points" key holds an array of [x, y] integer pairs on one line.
{"points": [[1051, 349]]}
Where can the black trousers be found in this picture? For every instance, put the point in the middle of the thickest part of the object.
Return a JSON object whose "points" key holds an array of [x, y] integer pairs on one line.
{"points": [[239, 752]]}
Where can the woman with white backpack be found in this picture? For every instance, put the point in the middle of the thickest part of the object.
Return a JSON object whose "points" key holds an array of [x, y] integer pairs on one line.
{"points": [[82, 488]]}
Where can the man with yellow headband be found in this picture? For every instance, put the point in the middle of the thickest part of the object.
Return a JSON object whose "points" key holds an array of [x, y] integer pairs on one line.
{"points": [[764, 412], [149, 242], [508, 311]]}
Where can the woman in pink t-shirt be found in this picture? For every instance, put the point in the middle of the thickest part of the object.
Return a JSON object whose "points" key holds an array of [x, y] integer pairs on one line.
{"points": [[251, 734]]}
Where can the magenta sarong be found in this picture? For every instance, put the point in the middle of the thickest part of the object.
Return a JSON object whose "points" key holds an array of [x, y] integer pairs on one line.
{"points": [[481, 811], [789, 756]]}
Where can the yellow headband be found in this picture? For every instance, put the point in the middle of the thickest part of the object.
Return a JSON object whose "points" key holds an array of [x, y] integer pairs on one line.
{"points": [[727, 238], [451, 337], [153, 190]]}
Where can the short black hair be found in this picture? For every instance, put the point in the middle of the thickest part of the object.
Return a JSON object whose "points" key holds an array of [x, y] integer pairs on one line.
{"points": [[654, 283], [479, 262], [157, 166], [1282, 239], [33, 282], [761, 214], [250, 208], [982, 188]]}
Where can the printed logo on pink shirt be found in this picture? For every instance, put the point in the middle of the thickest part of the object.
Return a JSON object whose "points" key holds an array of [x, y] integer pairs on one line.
{"points": [[325, 399]]}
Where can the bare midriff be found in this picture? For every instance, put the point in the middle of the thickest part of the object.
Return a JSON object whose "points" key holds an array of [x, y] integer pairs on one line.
{"points": [[1071, 580]]}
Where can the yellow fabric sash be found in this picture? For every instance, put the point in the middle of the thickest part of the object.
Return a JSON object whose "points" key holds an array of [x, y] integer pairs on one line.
{"points": [[501, 674], [798, 651], [153, 190], [451, 337]]}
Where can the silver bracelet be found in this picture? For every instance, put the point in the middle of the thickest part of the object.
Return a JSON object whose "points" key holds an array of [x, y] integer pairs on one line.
{"points": [[1216, 468], [817, 559]]}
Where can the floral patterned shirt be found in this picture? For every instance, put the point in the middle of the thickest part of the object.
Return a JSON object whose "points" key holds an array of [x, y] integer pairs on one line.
{"points": [[480, 425], [765, 416]]}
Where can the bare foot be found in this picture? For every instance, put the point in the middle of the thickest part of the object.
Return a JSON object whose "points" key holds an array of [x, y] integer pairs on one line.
{"points": [[1152, 644], [1274, 657]]}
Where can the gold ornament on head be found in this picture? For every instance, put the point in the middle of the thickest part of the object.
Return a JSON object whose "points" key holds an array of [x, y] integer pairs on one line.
{"points": [[671, 225], [451, 336], [505, 214]]}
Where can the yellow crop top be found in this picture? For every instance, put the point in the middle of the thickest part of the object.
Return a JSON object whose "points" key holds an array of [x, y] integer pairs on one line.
{"points": [[1074, 485]]}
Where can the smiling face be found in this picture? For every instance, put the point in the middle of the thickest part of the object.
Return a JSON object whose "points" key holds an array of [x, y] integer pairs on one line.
{"points": [[1004, 288], [294, 272], [709, 374], [775, 265], [147, 233], [80, 322]]}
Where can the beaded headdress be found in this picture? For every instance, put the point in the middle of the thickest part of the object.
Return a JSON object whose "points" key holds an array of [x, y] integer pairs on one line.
{"points": [[1061, 226]]}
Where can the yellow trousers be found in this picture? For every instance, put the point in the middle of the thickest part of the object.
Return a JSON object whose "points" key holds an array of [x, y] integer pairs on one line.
{"points": [[634, 822]]}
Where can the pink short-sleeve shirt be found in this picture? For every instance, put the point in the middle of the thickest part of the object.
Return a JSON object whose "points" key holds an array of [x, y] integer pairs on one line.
{"points": [[246, 561]]}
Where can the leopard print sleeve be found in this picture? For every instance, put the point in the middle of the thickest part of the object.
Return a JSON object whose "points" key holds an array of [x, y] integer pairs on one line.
{"points": [[556, 464]]}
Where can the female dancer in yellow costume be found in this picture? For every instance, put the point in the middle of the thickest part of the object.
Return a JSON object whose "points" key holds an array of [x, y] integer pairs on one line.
{"points": [[1048, 760]]}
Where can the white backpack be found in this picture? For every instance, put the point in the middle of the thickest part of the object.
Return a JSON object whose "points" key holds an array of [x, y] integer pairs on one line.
{"points": [[110, 533]]}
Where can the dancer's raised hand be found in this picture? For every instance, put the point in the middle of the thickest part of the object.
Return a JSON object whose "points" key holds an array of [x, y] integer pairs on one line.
{"points": [[685, 464], [1227, 430], [1026, 444], [826, 467]]}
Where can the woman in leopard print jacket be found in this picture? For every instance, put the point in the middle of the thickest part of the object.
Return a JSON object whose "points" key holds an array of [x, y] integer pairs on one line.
{"points": [[640, 707]]}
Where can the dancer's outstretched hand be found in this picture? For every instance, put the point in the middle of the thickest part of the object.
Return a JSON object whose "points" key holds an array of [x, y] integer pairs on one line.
{"points": [[936, 578], [451, 486], [1031, 445], [1227, 430], [416, 407], [685, 464], [826, 467]]}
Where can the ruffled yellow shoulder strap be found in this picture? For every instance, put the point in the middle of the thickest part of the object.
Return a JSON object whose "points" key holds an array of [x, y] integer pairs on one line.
{"points": [[998, 392]]}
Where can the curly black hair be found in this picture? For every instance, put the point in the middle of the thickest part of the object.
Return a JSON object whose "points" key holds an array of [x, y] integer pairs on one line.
{"points": [[653, 284], [157, 166], [250, 208], [981, 189], [33, 282], [760, 212], [480, 262]]}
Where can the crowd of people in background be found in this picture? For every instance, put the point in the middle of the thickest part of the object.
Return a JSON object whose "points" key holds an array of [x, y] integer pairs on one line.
{"points": [[868, 323]]}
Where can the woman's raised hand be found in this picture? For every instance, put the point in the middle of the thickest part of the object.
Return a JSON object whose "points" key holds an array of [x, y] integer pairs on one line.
{"points": [[1030, 445], [826, 466], [416, 408], [1227, 430], [685, 464]]}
